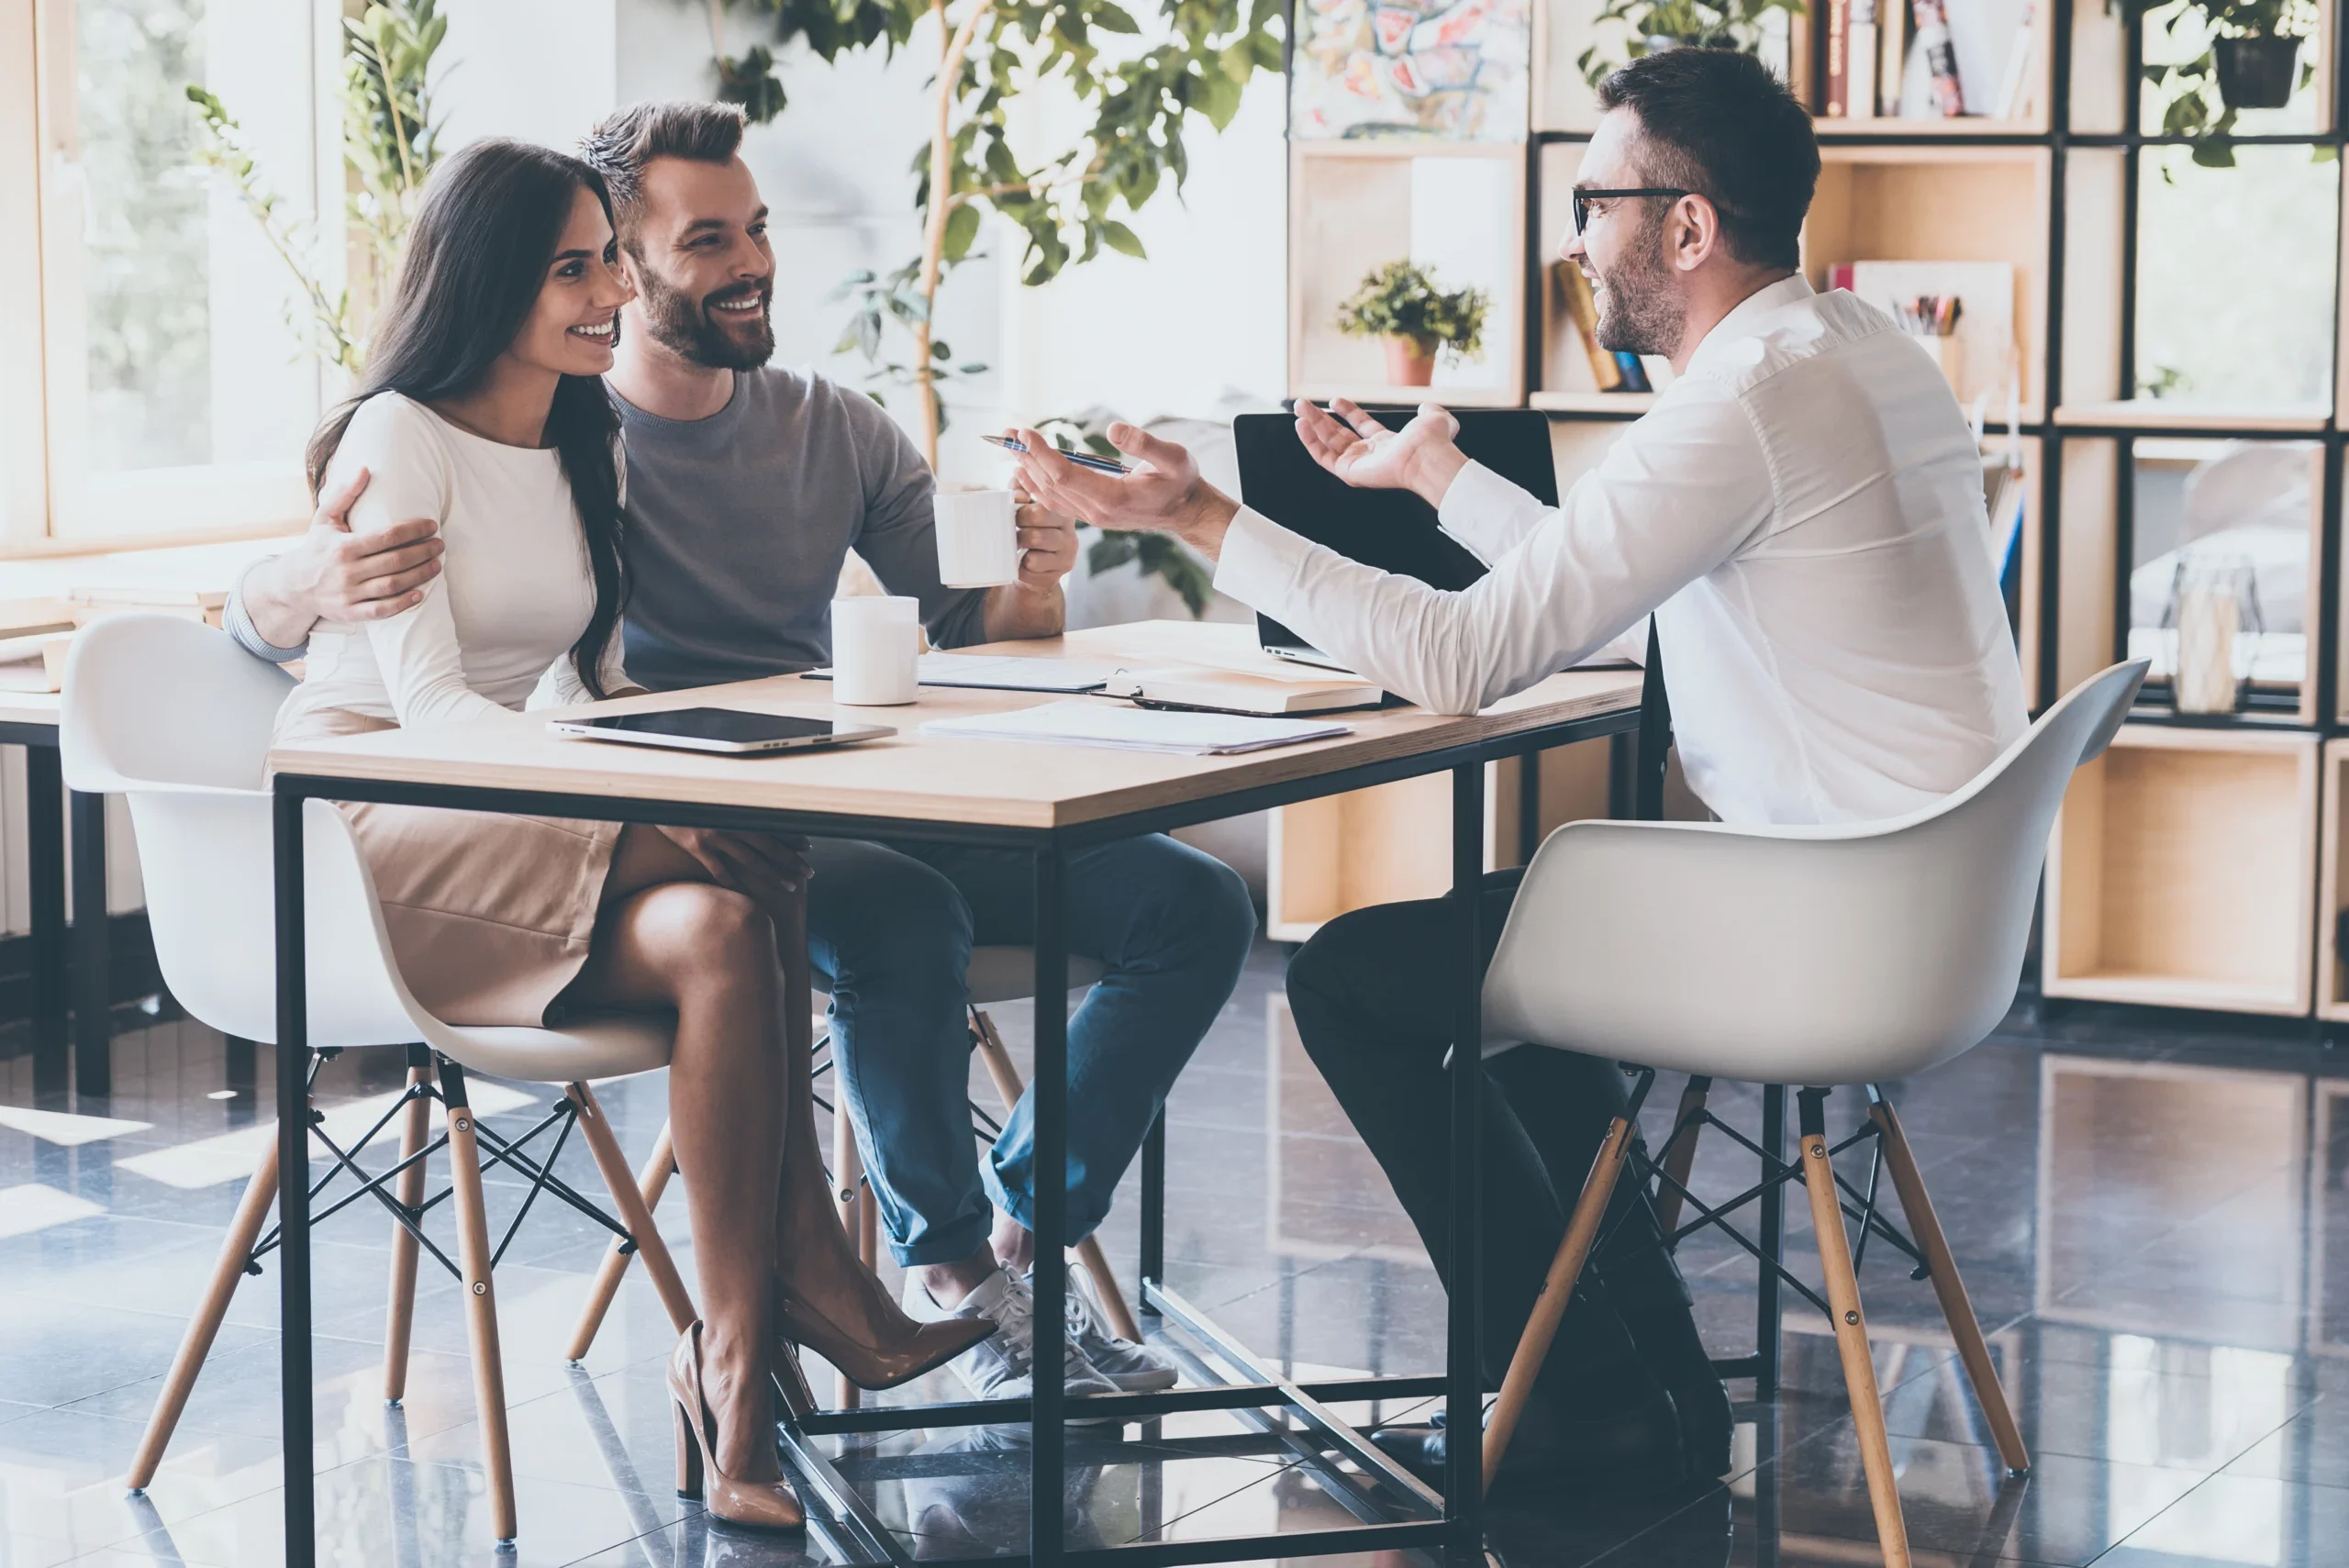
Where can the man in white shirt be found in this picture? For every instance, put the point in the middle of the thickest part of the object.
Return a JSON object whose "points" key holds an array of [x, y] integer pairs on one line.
{"points": [[1801, 512]]}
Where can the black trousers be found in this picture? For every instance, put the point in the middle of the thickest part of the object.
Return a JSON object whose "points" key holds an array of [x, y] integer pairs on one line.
{"points": [[1372, 995]]}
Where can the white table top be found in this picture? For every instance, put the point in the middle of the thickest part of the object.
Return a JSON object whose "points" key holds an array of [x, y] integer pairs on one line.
{"points": [[912, 777]]}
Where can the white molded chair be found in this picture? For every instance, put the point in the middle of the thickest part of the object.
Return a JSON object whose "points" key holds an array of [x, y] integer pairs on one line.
{"points": [[176, 717], [1805, 956]]}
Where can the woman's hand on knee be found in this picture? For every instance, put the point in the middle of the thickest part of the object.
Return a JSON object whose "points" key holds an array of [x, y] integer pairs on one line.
{"points": [[769, 868]]}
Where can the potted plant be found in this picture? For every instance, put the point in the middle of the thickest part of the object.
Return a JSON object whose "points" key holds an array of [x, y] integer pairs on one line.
{"points": [[2251, 59], [1655, 25], [1402, 304]]}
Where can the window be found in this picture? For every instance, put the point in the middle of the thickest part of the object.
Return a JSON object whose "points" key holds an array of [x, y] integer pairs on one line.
{"points": [[174, 390]]}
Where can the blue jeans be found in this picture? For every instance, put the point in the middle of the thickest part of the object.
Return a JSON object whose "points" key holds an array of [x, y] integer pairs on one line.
{"points": [[894, 925]]}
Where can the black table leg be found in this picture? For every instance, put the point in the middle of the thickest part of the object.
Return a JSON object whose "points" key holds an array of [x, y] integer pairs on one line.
{"points": [[294, 1187], [1154, 1210], [45, 870], [1774, 1243], [1463, 1404], [93, 1032], [1049, 1088]]}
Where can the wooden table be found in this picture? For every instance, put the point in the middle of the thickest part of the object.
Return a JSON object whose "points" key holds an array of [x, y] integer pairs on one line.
{"points": [[30, 719], [1047, 801]]}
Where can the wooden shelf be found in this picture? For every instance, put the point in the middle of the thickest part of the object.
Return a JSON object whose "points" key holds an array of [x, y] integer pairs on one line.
{"points": [[1591, 402], [1955, 201], [1457, 208], [2180, 871], [1961, 128], [1409, 397], [2174, 413]]}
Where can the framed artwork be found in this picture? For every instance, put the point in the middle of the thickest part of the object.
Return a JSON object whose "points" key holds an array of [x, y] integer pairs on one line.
{"points": [[1410, 68]]}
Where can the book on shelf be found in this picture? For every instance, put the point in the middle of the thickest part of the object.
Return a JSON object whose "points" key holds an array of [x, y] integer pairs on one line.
{"points": [[2014, 90], [1837, 103], [1581, 309], [1635, 372], [1940, 56], [1860, 60], [1893, 32]]}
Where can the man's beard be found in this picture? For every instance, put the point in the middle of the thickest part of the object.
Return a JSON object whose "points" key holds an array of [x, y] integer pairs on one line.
{"points": [[688, 327], [1640, 311]]}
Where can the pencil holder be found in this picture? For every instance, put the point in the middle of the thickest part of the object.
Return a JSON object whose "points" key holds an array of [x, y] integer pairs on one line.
{"points": [[1949, 353]]}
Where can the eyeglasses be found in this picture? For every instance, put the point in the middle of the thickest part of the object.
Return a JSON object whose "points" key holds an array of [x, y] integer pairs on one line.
{"points": [[1583, 199]]}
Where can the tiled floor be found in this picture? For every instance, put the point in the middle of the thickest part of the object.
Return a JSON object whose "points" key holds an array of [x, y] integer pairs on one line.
{"points": [[2155, 1226]]}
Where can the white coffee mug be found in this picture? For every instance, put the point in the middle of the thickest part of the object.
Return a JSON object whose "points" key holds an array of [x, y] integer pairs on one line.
{"points": [[978, 538], [876, 641]]}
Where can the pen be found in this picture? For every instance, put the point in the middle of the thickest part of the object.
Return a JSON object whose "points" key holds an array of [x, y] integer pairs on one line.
{"points": [[1082, 460]]}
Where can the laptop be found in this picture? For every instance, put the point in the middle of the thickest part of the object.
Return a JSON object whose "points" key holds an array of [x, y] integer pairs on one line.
{"points": [[1391, 529]]}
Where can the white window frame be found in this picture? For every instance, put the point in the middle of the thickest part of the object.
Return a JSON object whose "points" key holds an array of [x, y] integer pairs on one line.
{"points": [[46, 504]]}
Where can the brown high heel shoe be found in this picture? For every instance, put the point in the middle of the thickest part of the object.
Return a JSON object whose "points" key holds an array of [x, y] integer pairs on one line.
{"points": [[754, 1505], [909, 1349]]}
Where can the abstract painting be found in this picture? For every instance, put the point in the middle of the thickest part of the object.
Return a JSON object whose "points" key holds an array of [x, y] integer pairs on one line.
{"points": [[1420, 69]]}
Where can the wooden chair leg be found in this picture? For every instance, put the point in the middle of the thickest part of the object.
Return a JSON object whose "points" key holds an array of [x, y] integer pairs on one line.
{"points": [[481, 1307], [651, 1182], [847, 1181], [1956, 1306], [399, 1315], [628, 1196], [236, 1250], [1088, 1251], [1681, 1157], [1557, 1290], [1851, 1331]]}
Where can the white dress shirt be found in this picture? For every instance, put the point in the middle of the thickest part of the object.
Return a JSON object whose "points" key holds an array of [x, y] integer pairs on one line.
{"points": [[1802, 511]]}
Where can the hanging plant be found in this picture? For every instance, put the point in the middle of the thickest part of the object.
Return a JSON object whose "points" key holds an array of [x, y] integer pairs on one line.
{"points": [[2251, 59]]}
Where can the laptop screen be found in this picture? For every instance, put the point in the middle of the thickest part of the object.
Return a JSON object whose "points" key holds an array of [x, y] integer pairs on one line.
{"points": [[1391, 529]]}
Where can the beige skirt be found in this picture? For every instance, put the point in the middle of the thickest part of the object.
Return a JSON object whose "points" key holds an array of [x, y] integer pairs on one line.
{"points": [[490, 915]]}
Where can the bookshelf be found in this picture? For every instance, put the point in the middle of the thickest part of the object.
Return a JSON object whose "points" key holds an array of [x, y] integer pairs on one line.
{"points": [[2187, 871]]}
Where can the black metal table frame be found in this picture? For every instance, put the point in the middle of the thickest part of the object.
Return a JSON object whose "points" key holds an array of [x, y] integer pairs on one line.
{"points": [[45, 840], [1405, 1513]]}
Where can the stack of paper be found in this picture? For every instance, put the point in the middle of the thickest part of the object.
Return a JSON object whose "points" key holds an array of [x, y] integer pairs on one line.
{"points": [[1136, 729]]}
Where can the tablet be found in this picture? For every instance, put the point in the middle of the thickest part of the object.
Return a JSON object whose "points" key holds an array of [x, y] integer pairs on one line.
{"points": [[725, 729]]}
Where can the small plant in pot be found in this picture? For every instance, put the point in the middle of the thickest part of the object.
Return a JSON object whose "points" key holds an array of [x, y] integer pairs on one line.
{"points": [[1402, 304], [2251, 59], [1653, 26]]}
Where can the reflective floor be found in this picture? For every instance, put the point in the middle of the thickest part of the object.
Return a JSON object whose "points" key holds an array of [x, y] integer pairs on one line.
{"points": [[2154, 1224]]}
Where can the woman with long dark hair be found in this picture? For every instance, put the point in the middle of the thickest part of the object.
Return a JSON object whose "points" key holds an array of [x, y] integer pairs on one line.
{"points": [[484, 409]]}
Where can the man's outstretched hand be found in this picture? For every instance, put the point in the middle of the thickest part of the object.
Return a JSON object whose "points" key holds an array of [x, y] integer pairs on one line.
{"points": [[1164, 493], [1422, 457]]}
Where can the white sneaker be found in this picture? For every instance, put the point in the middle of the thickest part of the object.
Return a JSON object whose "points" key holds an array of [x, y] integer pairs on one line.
{"points": [[1134, 1368], [1002, 1366]]}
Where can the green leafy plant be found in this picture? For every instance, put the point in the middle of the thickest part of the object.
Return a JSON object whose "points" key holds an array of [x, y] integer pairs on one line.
{"points": [[389, 145], [1402, 299], [1727, 24], [1158, 555], [1070, 204], [2192, 105]]}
